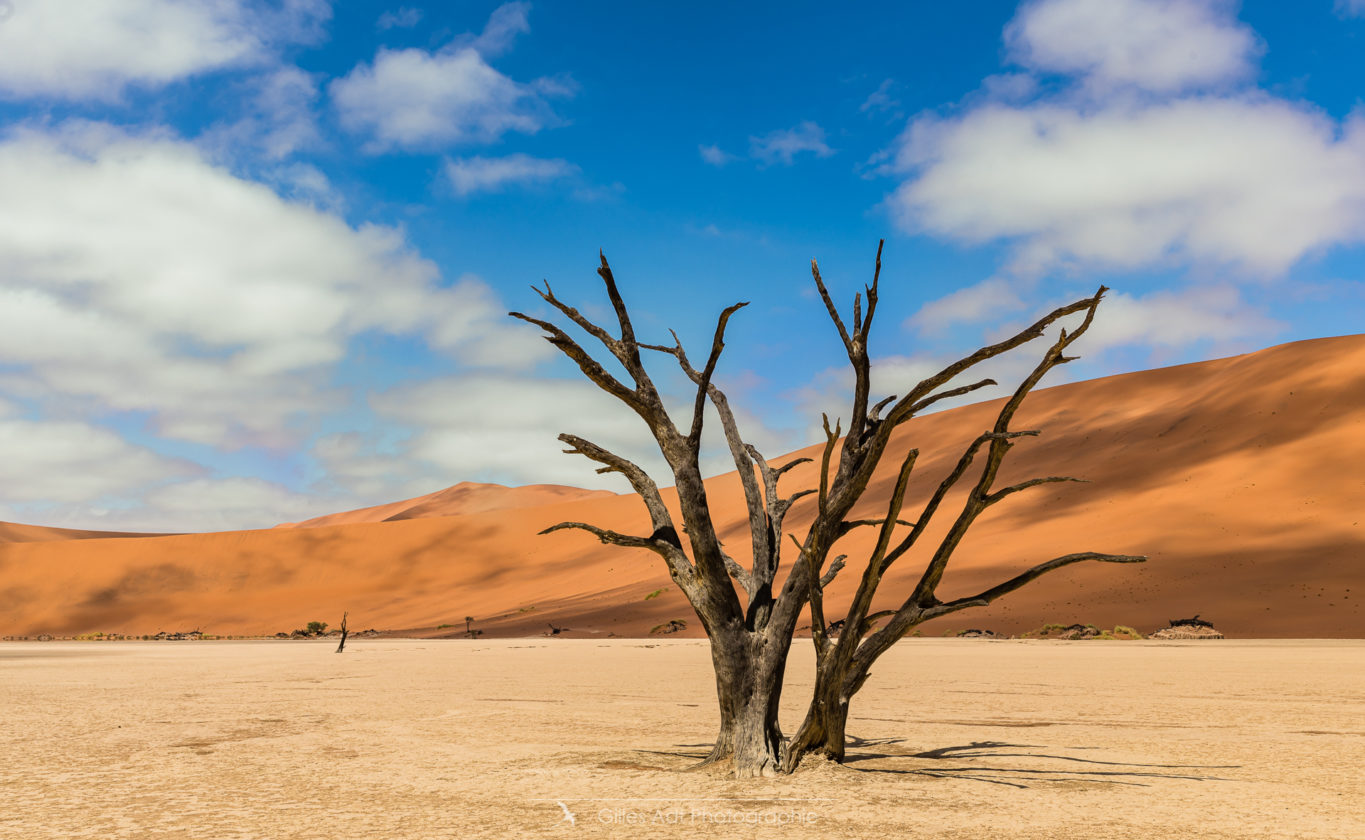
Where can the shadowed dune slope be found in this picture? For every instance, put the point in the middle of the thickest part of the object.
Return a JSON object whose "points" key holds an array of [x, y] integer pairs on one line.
{"points": [[1241, 478]]}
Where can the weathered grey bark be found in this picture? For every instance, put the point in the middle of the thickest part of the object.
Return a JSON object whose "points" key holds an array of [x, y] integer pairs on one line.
{"points": [[750, 641]]}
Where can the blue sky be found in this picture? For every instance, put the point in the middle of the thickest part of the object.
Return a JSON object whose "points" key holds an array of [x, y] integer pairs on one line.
{"points": [[256, 258]]}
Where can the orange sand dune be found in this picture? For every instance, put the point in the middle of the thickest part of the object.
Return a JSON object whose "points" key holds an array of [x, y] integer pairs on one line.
{"points": [[464, 498], [13, 532], [1241, 478]]}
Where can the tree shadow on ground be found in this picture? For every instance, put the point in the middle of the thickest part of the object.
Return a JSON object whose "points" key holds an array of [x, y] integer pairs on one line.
{"points": [[993, 762], [985, 765]]}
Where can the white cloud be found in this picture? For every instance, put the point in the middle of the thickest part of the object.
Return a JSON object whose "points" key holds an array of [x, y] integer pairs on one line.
{"points": [[1175, 319], [1252, 181], [284, 109], [405, 17], [505, 428], [304, 182], [1009, 87], [714, 155], [1164, 46], [373, 470], [289, 21], [469, 320], [277, 120], [970, 305], [94, 49], [412, 98], [881, 100], [52, 462], [784, 145], [502, 428], [1158, 155], [222, 504], [138, 277], [507, 22], [481, 174], [1350, 8]]}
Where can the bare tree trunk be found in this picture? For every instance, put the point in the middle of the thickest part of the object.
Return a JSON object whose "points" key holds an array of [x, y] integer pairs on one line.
{"points": [[823, 731], [749, 676], [344, 633]]}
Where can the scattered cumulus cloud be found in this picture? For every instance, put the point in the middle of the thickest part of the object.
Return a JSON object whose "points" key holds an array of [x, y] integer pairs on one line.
{"points": [[95, 50], [881, 100], [1251, 181], [504, 25], [231, 503], [278, 119], [52, 461], [714, 155], [404, 17], [414, 98], [1193, 169], [1350, 8], [372, 469], [304, 182], [477, 427], [969, 305], [1176, 318], [1009, 87], [290, 21], [1164, 46], [285, 121], [223, 323], [483, 427], [784, 145], [482, 174]]}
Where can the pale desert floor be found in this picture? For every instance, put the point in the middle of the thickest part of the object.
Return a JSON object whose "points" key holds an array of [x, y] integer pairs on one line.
{"points": [[457, 739]]}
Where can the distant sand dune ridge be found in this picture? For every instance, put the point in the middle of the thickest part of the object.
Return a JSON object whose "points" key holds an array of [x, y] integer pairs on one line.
{"points": [[1240, 478]]}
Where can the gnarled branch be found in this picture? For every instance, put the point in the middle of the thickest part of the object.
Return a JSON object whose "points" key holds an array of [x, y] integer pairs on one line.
{"points": [[1032, 482], [640, 481], [1024, 578]]}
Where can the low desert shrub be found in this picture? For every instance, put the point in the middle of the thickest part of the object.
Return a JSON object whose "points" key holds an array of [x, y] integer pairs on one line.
{"points": [[1045, 630]]}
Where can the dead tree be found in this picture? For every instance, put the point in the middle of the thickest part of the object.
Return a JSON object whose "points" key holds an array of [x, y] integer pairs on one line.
{"points": [[1190, 622], [750, 638], [344, 633]]}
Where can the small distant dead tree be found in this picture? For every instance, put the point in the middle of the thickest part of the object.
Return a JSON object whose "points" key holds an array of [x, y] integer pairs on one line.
{"points": [[344, 633], [750, 638], [1190, 622]]}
